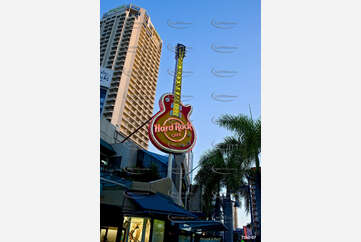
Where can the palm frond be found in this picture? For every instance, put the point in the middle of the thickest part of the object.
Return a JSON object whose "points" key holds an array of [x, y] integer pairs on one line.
{"points": [[235, 154]]}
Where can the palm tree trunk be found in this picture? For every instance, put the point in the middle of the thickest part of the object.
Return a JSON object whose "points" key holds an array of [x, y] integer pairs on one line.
{"points": [[257, 163], [218, 204], [218, 233]]}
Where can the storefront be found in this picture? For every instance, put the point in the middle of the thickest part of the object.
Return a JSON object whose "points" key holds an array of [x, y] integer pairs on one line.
{"points": [[134, 229], [133, 216], [142, 216], [202, 230], [142, 229]]}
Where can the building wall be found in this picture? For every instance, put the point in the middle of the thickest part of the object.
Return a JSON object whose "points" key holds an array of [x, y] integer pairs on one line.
{"points": [[145, 160], [127, 150], [195, 199], [129, 157], [162, 186], [108, 132]]}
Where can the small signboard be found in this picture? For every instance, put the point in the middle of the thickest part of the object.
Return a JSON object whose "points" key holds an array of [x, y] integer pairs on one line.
{"points": [[105, 77]]}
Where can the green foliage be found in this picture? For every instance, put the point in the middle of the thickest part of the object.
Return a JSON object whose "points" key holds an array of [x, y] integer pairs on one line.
{"points": [[229, 163], [246, 131]]}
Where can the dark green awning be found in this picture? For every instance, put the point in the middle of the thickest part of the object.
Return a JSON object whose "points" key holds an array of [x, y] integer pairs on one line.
{"points": [[204, 225]]}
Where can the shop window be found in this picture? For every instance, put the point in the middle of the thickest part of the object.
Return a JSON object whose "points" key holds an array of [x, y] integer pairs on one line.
{"points": [[158, 231], [136, 229], [184, 238], [108, 234]]}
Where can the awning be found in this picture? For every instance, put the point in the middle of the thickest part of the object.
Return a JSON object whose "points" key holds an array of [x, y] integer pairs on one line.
{"points": [[107, 147], [203, 225], [156, 203]]}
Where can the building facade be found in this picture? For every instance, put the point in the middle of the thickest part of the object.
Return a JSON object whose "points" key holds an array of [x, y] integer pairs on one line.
{"points": [[136, 206], [255, 205], [132, 160], [131, 47], [235, 218]]}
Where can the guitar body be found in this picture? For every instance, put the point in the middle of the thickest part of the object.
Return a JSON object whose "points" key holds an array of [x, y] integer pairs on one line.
{"points": [[170, 133]]}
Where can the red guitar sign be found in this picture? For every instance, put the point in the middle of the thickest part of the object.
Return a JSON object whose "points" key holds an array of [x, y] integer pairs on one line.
{"points": [[170, 130]]}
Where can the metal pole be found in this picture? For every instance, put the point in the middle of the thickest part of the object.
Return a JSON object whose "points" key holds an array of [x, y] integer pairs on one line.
{"points": [[186, 198], [180, 186], [169, 174]]}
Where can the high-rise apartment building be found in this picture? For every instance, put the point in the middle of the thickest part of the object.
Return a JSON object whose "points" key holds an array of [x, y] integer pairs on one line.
{"points": [[255, 205], [131, 47], [235, 217]]}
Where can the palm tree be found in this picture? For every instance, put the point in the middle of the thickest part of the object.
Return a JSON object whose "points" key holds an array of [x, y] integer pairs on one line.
{"points": [[235, 155], [247, 135], [210, 181], [220, 169], [246, 144]]}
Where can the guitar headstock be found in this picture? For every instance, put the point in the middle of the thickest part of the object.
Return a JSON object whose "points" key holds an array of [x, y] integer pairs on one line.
{"points": [[180, 51]]}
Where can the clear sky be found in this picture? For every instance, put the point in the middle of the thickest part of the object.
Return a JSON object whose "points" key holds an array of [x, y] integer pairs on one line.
{"points": [[208, 28]]}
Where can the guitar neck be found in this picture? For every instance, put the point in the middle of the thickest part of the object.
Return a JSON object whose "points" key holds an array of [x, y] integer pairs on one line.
{"points": [[178, 79]]}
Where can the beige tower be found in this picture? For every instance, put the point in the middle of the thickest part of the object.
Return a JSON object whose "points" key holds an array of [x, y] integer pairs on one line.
{"points": [[235, 217], [131, 47]]}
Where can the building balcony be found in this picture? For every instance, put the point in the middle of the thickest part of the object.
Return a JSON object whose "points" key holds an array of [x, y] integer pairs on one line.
{"points": [[113, 90], [108, 111], [110, 104], [117, 76], [113, 95], [111, 100], [119, 63]]}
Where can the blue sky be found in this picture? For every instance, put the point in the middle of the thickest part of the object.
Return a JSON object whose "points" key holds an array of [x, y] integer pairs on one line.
{"points": [[204, 23]]}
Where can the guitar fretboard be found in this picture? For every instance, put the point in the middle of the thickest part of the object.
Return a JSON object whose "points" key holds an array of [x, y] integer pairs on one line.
{"points": [[178, 80]]}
